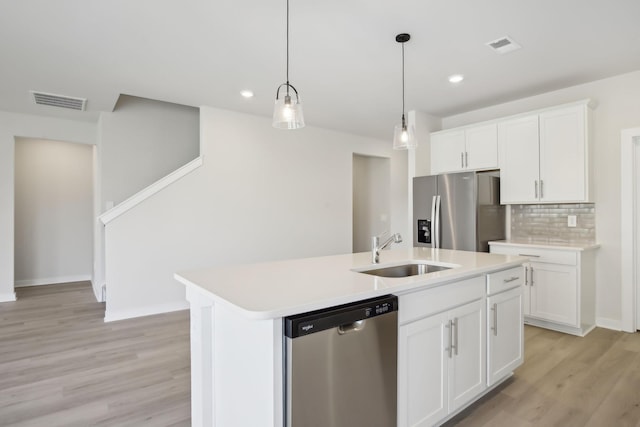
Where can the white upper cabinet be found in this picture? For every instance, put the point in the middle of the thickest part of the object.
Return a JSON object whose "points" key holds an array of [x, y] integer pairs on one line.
{"points": [[519, 159], [447, 152], [482, 147], [563, 155], [544, 157], [471, 148]]}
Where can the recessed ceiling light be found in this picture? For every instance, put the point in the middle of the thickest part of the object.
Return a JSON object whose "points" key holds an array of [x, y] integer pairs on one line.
{"points": [[456, 78], [246, 93]]}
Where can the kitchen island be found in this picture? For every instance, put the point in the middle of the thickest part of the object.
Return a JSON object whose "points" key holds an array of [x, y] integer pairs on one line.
{"points": [[237, 327]]}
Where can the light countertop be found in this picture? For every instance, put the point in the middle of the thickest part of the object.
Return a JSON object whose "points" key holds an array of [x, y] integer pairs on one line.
{"points": [[546, 244], [276, 289]]}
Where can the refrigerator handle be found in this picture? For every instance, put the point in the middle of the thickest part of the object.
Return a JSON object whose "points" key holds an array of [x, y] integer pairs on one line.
{"points": [[437, 222], [433, 222]]}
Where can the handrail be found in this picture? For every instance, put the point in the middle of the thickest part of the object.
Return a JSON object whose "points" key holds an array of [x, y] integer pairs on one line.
{"points": [[149, 191]]}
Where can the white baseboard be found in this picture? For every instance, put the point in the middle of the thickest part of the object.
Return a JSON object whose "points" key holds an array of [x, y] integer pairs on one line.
{"points": [[99, 291], [613, 324], [7, 297], [52, 280], [113, 315]]}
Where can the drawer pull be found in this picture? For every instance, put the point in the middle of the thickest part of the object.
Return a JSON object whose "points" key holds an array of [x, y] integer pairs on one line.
{"points": [[511, 279], [530, 256]]}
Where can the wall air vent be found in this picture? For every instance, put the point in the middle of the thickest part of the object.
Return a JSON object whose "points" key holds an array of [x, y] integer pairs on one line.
{"points": [[60, 101], [503, 45]]}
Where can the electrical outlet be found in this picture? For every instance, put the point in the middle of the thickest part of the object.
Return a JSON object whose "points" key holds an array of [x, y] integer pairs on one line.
{"points": [[572, 221]]}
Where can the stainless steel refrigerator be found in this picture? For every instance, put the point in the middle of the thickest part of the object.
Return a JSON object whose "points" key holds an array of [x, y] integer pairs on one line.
{"points": [[458, 211]]}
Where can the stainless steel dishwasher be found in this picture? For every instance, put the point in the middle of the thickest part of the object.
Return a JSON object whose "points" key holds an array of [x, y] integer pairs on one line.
{"points": [[341, 365]]}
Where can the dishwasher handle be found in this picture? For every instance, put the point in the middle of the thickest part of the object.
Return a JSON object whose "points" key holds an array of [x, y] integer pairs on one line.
{"points": [[352, 327]]}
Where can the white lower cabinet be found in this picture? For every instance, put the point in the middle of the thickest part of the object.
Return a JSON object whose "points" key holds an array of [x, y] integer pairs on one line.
{"points": [[442, 357], [553, 292], [559, 285], [505, 347]]}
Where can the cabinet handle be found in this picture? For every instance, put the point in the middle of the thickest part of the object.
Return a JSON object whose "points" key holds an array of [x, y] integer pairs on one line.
{"points": [[450, 348], [541, 189], [531, 276], [495, 319], [511, 279], [526, 276], [530, 256], [455, 325], [466, 159], [535, 186], [461, 159]]}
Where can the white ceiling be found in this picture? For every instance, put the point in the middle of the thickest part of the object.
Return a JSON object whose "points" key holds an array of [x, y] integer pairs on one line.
{"points": [[344, 58]]}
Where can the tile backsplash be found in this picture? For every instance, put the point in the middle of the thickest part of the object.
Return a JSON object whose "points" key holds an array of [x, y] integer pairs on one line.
{"points": [[548, 223]]}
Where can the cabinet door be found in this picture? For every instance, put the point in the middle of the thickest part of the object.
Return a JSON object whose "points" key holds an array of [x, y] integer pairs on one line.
{"points": [[554, 293], [505, 326], [422, 368], [467, 366], [482, 147], [447, 152], [563, 171], [519, 160]]}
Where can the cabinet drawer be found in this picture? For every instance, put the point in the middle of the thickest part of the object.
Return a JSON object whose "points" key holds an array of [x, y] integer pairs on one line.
{"points": [[552, 256], [505, 279], [420, 304]]}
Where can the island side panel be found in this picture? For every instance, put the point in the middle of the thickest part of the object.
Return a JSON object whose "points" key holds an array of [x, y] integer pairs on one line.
{"points": [[201, 330], [247, 370], [236, 366]]}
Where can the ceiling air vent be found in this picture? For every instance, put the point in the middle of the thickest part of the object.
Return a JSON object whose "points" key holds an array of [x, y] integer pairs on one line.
{"points": [[503, 45], [60, 101]]}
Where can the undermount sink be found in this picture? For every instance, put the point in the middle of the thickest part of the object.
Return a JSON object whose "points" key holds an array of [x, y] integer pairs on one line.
{"points": [[405, 270]]}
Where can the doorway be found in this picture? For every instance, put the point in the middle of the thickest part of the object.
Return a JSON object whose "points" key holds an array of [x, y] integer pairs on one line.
{"points": [[371, 199], [53, 211]]}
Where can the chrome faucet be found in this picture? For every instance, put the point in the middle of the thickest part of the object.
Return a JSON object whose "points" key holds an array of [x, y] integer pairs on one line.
{"points": [[376, 247]]}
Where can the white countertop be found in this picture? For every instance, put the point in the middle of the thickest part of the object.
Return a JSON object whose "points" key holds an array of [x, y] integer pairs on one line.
{"points": [[276, 289], [546, 245]]}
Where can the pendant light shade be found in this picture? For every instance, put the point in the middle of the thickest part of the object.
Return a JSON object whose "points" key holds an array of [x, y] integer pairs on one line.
{"points": [[287, 112], [403, 135]]}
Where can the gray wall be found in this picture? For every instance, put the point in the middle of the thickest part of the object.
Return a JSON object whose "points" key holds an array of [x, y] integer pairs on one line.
{"points": [[53, 211], [371, 200], [141, 141]]}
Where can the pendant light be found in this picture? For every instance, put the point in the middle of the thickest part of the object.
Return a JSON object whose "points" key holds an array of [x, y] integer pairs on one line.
{"points": [[287, 113], [403, 135]]}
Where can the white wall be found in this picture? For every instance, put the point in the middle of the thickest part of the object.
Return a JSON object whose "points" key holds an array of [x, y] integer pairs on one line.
{"points": [[141, 141], [261, 194], [371, 200], [618, 108], [53, 212]]}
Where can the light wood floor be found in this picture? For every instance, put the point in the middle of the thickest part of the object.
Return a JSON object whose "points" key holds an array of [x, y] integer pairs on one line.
{"points": [[61, 365], [566, 381]]}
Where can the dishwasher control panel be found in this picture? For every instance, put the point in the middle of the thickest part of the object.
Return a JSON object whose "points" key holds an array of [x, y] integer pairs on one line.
{"points": [[320, 320]]}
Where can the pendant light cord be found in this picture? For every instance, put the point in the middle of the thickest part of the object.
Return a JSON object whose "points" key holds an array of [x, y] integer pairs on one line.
{"points": [[287, 47], [402, 78]]}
